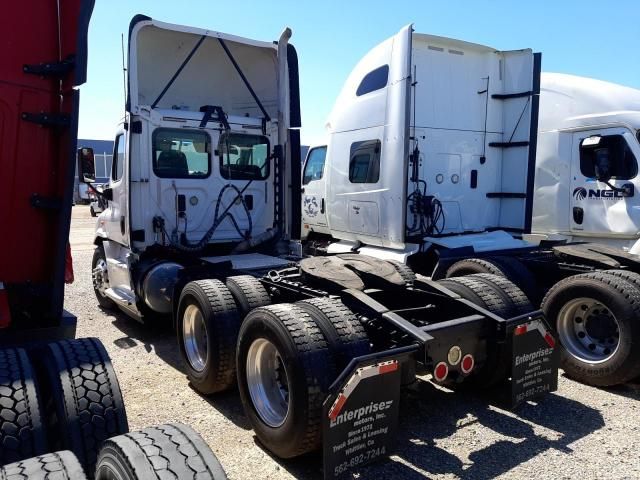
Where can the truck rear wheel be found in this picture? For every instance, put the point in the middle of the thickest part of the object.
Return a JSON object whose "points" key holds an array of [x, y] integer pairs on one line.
{"points": [[58, 465], [597, 317], [405, 271], [508, 267], [83, 401], [344, 333], [208, 324], [517, 298], [21, 429], [497, 366], [285, 369], [481, 293], [167, 451], [248, 292], [100, 277]]}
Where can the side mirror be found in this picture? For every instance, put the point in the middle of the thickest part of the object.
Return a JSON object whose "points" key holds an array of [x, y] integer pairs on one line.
{"points": [[86, 165], [602, 166], [107, 193]]}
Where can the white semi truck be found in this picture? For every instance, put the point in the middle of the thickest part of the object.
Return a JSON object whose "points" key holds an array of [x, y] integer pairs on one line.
{"points": [[431, 161], [574, 199], [203, 226]]}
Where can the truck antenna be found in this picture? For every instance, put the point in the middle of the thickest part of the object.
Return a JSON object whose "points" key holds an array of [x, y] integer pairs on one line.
{"points": [[124, 73]]}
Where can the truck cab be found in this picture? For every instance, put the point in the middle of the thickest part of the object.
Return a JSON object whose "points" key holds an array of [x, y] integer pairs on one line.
{"points": [[202, 160], [431, 138], [586, 180]]}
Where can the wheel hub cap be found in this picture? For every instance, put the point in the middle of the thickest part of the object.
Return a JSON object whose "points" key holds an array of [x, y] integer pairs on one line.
{"points": [[588, 330], [267, 382], [194, 332], [100, 277]]}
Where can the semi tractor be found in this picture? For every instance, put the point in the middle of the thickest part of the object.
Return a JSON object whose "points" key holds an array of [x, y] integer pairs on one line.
{"points": [[203, 229], [578, 196], [62, 414], [438, 172]]}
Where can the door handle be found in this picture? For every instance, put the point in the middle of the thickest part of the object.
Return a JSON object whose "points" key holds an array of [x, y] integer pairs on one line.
{"points": [[578, 215], [122, 225], [322, 206]]}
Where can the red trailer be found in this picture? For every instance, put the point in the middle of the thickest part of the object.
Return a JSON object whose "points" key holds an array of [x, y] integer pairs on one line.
{"points": [[57, 394]]}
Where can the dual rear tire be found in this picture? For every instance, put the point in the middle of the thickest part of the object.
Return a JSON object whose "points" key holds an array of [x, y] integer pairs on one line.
{"points": [[285, 356]]}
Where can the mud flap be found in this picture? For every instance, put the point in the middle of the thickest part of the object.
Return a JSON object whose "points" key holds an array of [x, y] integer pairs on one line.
{"points": [[535, 360], [360, 415]]}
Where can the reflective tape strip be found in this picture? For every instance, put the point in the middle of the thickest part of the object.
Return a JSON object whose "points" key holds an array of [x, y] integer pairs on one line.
{"points": [[539, 326], [360, 374]]}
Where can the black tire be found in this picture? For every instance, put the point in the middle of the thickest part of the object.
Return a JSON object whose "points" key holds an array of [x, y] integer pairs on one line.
{"points": [[519, 274], [221, 322], [508, 267], [22, 432], [481, 293], [622, 299], [104, 301], [405, 271], [171, 451], [83, 401], [248, 292], [51, 466], [469, 266], [309, 370], [345, 335], [497, 366], [519, 301]]}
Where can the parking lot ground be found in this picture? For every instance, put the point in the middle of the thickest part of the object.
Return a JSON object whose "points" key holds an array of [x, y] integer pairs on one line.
{"points": [[579, 432]]}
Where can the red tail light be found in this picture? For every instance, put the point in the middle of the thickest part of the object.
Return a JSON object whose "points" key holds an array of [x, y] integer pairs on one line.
{"points": [[467, 364], [440, 372]]}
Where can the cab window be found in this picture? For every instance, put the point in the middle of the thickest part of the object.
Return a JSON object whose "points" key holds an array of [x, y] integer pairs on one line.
{"points": [[364, 162], [181, 153], [117, 166], [622, 162], [314, 169], [374, 80], [243, 157]]}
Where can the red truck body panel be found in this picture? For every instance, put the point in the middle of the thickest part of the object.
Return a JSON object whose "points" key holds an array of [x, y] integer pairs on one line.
{"points": [[37, 160]]}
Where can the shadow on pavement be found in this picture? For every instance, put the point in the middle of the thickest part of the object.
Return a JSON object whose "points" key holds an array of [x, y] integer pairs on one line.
{"points": [[428, 414], [161, 339]]}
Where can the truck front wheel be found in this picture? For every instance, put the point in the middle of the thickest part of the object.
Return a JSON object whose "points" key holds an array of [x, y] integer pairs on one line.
{"points": [[285, 369], [100, 277], [207, 327], [596, 317]]}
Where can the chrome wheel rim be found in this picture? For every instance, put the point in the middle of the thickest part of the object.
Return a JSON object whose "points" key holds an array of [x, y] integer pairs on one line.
{"points": [[267, 382], [194, 334], [100, 277], [588, 330]]}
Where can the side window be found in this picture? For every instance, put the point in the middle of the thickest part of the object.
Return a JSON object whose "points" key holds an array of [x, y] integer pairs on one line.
{"points": [[622, 162], [364, 162], [243, 157], [314, 169], [117, 166], [181, 153], [374, 80]]}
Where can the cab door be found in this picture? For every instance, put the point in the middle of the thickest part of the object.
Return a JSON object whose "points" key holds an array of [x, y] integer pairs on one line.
{"points": [[596, 207], [314, 212], [115, 217]]}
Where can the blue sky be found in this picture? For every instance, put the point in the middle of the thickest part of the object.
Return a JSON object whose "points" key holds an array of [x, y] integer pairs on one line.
{"points": [[594, 39]]}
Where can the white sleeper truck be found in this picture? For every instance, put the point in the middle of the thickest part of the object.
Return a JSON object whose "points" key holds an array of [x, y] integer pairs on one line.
{"points": [[586, 183], [202, 228], [431, 162]]}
